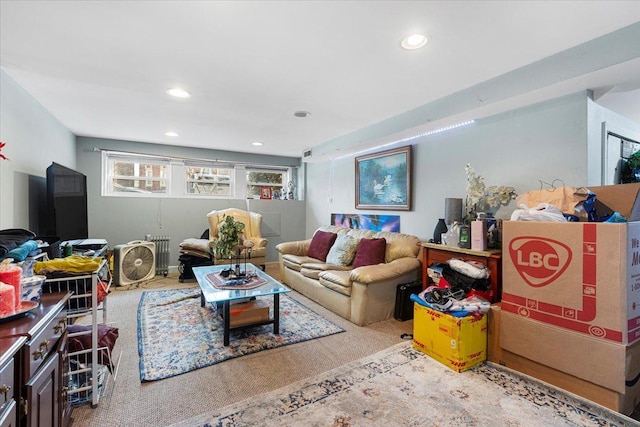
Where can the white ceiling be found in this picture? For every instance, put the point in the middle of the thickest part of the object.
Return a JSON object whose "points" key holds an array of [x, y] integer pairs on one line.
{"points": [[102, 67]]}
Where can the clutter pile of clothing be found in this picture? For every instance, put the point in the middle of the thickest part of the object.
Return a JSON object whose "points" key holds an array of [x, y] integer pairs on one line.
{"points": [[18, 244], [463, 288], [194, 253]]}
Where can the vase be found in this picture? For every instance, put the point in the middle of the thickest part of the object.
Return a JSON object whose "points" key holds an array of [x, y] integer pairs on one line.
{"points": [[441, 228]]}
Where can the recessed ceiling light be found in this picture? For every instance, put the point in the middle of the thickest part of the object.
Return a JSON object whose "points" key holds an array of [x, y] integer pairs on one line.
{"points": [[257, 143], [414, 41], [171, 134], [178, 93], [302, 114]]}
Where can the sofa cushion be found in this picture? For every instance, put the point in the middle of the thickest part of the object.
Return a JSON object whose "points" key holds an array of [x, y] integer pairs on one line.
{"points": [[343, 250], [321, 244], [313, 269], [336, 280], [370, 252], [295, 262], [361, 233], [399, 245]]}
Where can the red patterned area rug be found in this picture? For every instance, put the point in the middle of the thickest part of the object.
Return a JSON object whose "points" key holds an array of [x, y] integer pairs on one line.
{"points": [[400, 386]]}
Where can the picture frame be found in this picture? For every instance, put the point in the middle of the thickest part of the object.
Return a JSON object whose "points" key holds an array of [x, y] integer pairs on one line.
{"points": [[265, 192], [383, 180]]}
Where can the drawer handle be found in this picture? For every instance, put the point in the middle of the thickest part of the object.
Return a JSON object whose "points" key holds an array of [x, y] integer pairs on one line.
{"points": [[38, 354], [4, 390], [44, 344], [60, 327]]}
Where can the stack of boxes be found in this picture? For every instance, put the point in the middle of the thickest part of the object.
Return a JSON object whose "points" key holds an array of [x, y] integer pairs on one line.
{"points": [[570, 311]]}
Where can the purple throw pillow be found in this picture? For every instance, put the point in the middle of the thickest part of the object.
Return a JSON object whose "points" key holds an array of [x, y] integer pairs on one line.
{"points": [[321, 244], [370, 252]]}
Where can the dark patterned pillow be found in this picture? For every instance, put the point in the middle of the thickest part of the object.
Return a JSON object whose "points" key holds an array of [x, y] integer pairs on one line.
{"points": [[321, 244], [370, 252]]}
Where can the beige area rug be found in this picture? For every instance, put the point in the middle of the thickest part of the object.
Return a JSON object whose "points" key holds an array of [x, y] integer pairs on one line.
{"points": [[128, 402], [401, 386]]}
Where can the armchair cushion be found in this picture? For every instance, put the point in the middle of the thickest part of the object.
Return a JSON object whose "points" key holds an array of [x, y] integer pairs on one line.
{"points": [[321, 244], [251, 234]]}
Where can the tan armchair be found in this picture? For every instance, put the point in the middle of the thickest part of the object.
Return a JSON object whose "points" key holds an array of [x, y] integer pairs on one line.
{"points": [[251, 233]]}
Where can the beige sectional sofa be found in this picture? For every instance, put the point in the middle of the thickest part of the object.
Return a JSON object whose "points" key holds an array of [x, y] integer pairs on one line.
{"points": [[362, 295]]}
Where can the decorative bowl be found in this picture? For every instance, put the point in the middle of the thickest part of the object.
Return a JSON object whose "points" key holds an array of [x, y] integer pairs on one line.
{"points": [[32, 288]]}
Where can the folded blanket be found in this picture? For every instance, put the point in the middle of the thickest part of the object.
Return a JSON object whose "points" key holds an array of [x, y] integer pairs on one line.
{"points": [[12, 238], [200, 245], [70, 264], [20, 253]]}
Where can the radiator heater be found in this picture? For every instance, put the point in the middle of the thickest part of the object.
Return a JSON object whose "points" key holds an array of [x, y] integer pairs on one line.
{"points": [[162, 253]]}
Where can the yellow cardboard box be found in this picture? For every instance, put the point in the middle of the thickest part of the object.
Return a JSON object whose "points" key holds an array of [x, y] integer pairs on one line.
{"points": [[457, 342]]}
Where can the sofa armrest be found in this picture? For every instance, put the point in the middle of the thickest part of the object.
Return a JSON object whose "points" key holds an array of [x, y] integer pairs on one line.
{"points": [[375, 273], [299, 247]]}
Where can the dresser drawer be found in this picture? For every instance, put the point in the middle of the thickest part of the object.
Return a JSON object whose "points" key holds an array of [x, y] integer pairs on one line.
{"points": [[7, 383], [44, 343], [8, 415]]}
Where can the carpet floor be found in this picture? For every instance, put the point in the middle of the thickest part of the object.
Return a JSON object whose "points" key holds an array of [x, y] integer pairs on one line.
{"points": [[400, 386], [177, 335]]}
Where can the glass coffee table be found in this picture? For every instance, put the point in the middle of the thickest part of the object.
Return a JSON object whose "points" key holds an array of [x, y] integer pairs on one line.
{"points": [[212, 295]]}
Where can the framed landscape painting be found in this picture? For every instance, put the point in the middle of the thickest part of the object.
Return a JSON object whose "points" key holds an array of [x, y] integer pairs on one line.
{"points": [[383, 180]]}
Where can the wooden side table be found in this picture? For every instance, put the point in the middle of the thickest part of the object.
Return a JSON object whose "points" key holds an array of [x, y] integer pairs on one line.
{"points": [[492, 258]]}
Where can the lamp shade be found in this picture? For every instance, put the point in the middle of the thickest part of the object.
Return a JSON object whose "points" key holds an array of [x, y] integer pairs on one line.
{"points": [[452, 210]]}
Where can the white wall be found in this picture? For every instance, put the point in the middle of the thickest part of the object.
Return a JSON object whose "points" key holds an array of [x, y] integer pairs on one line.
{"points": [[541, 142], [34, 139], [600, 118]]}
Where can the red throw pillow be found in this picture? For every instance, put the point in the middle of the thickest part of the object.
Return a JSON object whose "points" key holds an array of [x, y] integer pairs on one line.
{"points": [[370, 252], [321, 244]]}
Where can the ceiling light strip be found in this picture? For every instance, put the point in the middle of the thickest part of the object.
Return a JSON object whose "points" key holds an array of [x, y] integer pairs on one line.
{"points": [[410, 138]]}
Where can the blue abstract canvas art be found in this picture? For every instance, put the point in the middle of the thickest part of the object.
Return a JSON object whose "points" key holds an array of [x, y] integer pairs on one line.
{"points": [[367, 222]]}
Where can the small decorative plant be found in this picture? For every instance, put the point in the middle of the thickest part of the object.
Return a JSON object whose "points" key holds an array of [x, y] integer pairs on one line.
{"points": [[631, 169], [229, 236], [483, 199]]}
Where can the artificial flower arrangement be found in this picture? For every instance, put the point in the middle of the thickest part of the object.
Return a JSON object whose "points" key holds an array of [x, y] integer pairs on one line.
{"points": [[483, 199]]}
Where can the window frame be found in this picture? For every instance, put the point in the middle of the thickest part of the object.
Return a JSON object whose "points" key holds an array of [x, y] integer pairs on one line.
{"points": [[286, 173], [176, 180], [211, 165], [109, 158]]}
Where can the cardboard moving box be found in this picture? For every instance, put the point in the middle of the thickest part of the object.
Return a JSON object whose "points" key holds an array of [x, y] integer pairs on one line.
{"points": [[457, 342], [579, 276], [623, 402], [249, 312], [582, 359]]}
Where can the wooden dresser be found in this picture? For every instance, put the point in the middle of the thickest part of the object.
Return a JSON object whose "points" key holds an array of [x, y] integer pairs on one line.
{"points": [[32, 364], [432, 252]]}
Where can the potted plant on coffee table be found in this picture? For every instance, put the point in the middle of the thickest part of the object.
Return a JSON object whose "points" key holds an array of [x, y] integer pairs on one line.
{"points": [[225, 246]]}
